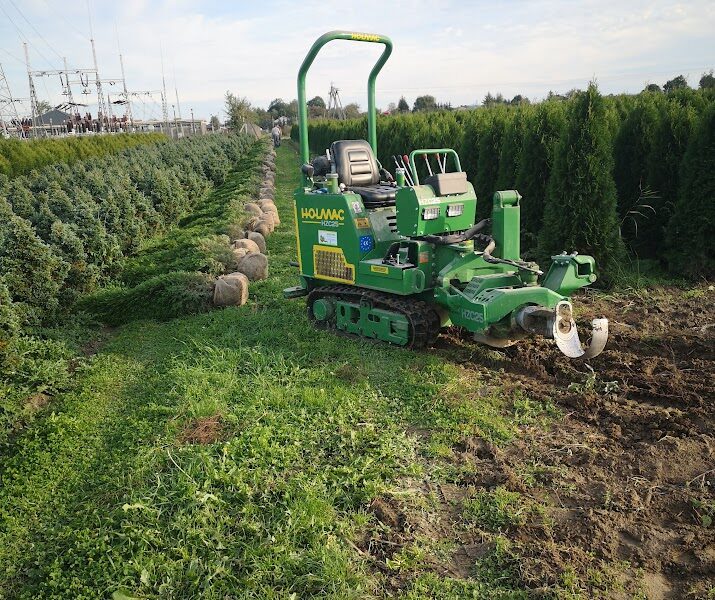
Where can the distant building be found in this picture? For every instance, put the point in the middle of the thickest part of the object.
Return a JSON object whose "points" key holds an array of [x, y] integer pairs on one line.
{"points": [[54, 116]]}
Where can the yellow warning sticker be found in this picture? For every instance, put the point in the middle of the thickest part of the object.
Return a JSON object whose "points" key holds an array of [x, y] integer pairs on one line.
{"points": [[362, 223], [379, 269]]}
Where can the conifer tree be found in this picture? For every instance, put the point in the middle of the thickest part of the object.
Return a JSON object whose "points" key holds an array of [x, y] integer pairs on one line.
{"points": [[580, 213], [541, 133], [691, 232], [489, 151]]}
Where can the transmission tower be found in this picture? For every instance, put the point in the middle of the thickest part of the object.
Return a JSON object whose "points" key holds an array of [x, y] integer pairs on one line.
{"points": [[128, 106], [9, 117], [101, 106], [67, 88], [335, 108], [164, 99], [33, 95]]}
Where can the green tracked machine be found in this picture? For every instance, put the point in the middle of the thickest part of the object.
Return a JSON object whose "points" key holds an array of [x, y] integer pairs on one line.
{"points": [[398, 258]]}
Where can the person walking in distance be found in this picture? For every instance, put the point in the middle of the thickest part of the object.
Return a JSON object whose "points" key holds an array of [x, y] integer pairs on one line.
{"points": [[276, 134]]}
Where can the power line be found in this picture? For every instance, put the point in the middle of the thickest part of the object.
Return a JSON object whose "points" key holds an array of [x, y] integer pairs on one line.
{"points": [[35, 29], [11, 55], [64, 20], [23, 37]]}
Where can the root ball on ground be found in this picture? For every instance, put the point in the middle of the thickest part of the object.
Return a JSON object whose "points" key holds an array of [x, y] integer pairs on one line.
{"points": [[254, 266], [247, 245], [231, 290], [253, 209], [259, 240]]}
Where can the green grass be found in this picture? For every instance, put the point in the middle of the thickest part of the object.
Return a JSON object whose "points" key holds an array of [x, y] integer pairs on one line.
{"points": [[104, 495]]}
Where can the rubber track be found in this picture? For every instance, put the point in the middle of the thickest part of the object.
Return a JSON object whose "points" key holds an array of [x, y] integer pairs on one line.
{"points": [[424, 323]]}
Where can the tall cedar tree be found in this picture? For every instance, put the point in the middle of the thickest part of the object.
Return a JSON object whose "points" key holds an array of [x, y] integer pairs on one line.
{"points": [[677, 119], [541, 133], [580, 211], [489, 151], [511, 149], [691, 233], [638, 205]]}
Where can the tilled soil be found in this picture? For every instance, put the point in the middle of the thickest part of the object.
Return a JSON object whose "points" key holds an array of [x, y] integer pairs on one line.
{"points": [[625, 480]]}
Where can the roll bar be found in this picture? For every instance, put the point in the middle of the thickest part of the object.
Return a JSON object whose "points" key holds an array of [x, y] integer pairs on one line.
{"points": [[371, 113]]}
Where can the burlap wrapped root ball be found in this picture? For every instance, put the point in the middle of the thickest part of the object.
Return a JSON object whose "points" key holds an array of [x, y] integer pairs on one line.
{"points": [[264, 202], [258, 239], [263, 228], [273, 211], [268, 219], [251, 223], [248, 245], [267, 193], [231, 290], [254, 266], [253, 209]]}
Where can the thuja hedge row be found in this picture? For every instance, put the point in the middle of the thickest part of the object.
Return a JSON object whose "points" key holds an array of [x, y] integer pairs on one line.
{"points": [[65, 230], [18, 157], [615, 176]]}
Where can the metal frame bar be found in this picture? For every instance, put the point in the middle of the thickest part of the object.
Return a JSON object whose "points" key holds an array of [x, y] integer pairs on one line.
{"points": [[308, 61]]}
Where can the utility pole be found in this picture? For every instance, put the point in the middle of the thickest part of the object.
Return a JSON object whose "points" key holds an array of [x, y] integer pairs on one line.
{"points": [[193, 128], [164, 105], [33, 95], [176, 122], [67, 87], [128, 108], [101, 106], [335, 106], [176, 91], [8, 111]]}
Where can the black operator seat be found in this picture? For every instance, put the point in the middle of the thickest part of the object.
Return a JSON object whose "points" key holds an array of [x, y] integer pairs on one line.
{"points": [[357, 168]]}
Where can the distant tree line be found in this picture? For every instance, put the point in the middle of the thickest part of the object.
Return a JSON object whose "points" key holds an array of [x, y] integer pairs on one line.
{"points": [[239, 111]]}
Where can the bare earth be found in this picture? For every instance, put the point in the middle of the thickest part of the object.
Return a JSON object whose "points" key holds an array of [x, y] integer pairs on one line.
{"points": [[624, 481]]}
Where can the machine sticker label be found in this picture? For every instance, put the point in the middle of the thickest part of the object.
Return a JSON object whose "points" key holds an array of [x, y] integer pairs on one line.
{"points": [[428, 201], [473, 315], [365, 37], [424, 257], [379, 269], [327, 238], [327, 217], [362, 223], [357, 207]]}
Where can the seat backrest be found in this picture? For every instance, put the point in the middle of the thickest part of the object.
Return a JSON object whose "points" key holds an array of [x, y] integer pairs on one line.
{"points": [[355, 163]]}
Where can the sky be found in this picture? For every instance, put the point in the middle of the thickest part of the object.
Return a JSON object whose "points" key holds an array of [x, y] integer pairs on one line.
{"points": [[456, 51]]}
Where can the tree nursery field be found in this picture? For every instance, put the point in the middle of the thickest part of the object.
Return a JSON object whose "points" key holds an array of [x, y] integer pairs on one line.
{"points": [[241, 453]]}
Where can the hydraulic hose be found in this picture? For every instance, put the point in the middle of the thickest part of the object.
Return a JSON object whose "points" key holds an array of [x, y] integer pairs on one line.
{"points": [[487, 256], [474, 234], [458, 238]]}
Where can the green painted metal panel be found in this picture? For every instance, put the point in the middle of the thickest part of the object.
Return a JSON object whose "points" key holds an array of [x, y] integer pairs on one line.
{"points": [[411, 204]]}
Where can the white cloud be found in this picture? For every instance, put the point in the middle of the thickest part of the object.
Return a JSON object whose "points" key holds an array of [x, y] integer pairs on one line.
{"points": [[456, 50]]}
